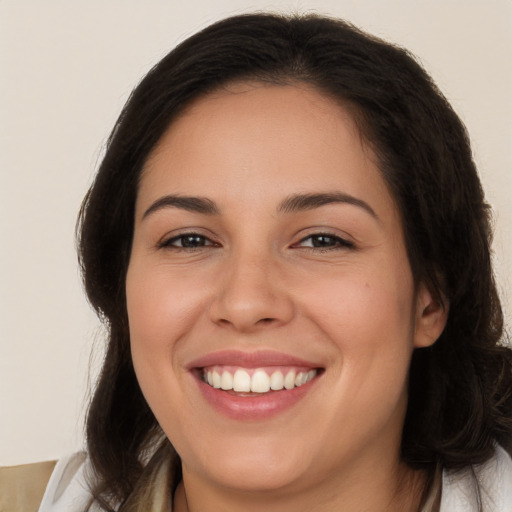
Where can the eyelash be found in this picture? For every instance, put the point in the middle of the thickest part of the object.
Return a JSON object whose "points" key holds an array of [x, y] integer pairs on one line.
{"points": [[169, 243], [337, 242]]}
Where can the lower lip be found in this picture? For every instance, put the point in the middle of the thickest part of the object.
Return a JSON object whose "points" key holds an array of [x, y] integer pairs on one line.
{"points": [[253, 407]]}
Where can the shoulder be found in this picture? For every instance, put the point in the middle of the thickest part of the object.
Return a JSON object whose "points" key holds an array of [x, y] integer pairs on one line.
{"points": [[22, 487], [490, 483], [68, 488]]}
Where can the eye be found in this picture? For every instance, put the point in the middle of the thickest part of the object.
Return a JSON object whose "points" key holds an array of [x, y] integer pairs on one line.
{"points": [[187, 241], [325, 241]]}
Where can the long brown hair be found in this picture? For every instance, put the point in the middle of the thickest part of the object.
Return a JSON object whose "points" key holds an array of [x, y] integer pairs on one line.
{"points": [[460, 402]]}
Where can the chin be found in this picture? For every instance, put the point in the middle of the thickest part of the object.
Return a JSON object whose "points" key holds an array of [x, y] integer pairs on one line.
{"points": [[249, 476], [260, 466]]}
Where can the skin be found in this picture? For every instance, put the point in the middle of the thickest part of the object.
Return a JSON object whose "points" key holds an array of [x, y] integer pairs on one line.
{"points": [[254, 281]]}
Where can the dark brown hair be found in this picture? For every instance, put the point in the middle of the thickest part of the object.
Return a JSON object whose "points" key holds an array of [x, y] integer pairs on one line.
{"points": [[460, 402]]}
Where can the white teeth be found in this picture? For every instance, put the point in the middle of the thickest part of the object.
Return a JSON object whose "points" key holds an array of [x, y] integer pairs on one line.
{"points": [[277, 381], [260, 382], [241, 381], [301, 378], [226, 381], [216, 380], [289, 380]]}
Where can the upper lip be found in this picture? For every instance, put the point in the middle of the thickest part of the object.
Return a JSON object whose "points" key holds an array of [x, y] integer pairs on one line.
{"points": [[249, 359]]}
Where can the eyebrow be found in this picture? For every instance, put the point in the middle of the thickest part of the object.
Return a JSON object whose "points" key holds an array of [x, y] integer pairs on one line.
{"points": [[300, 202], [201, 205], [293, 203]]}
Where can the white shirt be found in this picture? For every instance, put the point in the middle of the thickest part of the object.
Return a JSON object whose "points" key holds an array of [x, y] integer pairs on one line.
{"points": [[68, 491]]}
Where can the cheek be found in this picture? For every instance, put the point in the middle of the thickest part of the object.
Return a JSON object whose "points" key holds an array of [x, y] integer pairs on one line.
{"points": [[364, 303], [160, 315], [368, 318], [164, 306], [156, 324], [161, 310], [368, 323]]}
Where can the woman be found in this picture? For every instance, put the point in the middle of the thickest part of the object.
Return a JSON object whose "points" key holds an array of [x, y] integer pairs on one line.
{"points": [[289, 243]]}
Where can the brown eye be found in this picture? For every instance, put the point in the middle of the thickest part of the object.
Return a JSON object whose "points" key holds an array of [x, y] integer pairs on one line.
{"points": [[192, 241], [187, 241], [324, 241]]}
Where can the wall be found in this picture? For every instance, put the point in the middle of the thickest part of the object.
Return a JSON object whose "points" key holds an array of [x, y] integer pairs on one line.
{"points": [[66, 70]]}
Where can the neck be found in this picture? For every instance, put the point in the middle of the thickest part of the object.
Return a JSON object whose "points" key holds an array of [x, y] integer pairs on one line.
{"points": [[382, 490]]}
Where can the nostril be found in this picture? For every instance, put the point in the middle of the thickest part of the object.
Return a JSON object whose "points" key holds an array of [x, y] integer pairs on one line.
{"points": [[261, 322]]}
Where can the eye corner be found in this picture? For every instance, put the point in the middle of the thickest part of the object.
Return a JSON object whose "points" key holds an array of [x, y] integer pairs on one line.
{"points": [[323, 241], [187, 241]]}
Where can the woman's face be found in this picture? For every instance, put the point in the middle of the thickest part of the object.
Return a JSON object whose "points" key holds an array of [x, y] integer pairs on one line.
{"points": [[268, 250]]}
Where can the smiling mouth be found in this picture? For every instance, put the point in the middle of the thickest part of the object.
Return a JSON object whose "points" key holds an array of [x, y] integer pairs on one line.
{"points": [[256, 381]]}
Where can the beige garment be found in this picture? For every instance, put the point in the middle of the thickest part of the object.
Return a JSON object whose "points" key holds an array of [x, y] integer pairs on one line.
{"points": [[22, 487]]}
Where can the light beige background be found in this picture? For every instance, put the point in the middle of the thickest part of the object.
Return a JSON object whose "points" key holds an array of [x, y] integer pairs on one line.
{"points": [[66, 68]]}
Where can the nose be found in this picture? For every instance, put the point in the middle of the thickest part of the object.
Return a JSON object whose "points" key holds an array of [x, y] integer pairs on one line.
{"points": [[251, 294]]}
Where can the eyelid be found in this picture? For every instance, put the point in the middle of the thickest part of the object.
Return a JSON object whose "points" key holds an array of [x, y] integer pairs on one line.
{"points": [[167, 240], [342, 242]]}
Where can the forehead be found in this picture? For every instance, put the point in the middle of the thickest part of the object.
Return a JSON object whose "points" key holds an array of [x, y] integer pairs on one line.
{"points": [[258, 140]]}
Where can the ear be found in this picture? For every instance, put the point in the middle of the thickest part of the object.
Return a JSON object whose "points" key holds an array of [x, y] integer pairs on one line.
{"points": [[431, 317]]}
